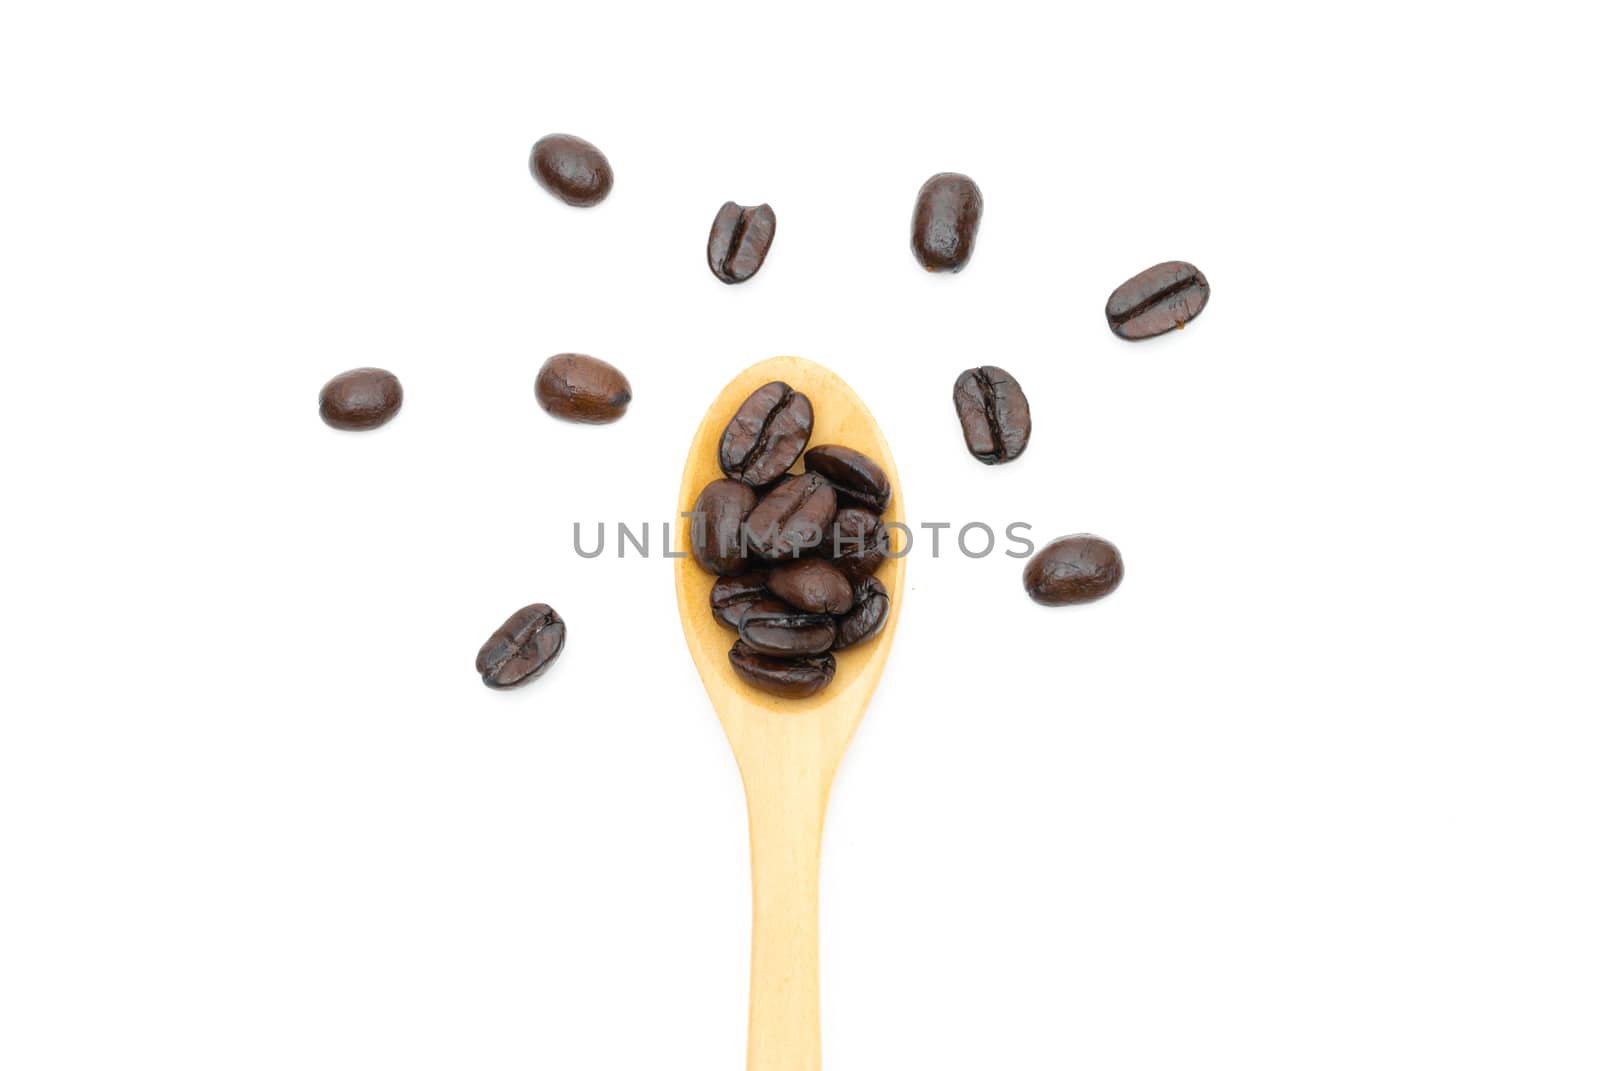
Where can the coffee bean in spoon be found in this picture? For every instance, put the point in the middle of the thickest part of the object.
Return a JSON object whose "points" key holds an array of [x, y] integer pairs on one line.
{"points": [[766, 435], [857, 479], [731, 596], [772, 626], [522, 648], [716, 532], [867, 617], [740, 239], [1157, 300], [810, 544], [857, 542], [790, 678], [360, 399], [571, 169], [1073, 569], [584, 389], [813, 585], [792, 518], [994, 414], [944, 226]]}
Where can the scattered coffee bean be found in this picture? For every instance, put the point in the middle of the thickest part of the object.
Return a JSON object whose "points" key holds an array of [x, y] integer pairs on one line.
{"points": [[857, 479], [731, 596], [1073, 569], [522, 648], [813, 585], [740, 239], [994, 414], [792, 518], [1157, 300], [774, 627], [857, 542], [867, 618], [571, 169], [791, 678], [577, 387], [360, 399], [944, 227], [716, 530], [766, 435]]}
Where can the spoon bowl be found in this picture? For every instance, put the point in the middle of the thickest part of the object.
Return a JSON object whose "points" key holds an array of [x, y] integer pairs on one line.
{"points": [[787, 749]]}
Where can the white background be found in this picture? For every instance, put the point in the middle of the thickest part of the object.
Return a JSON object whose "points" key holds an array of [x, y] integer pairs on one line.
{"points": [[1319, 787]]}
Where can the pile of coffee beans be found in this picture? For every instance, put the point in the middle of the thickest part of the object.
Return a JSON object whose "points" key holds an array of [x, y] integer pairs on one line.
{"points": [[794, 553]]}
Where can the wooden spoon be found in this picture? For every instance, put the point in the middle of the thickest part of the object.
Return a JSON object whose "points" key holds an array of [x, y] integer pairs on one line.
{"points": [[787, 749]]}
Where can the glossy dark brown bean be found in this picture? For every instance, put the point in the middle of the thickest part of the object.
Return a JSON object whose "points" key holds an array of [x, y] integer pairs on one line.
{"points": [[857, 479], [1073, 569], [731, 596], [740, 239], [813, 585], [791, 678], [994, 414], [944, 227], [577, 387], [522, 648], [766, 435], [792, 518], [571, 169], [773, 627], [857, 542], [811, 543], [867, 617], [360, 399], [1157, 300], [716, 530]]}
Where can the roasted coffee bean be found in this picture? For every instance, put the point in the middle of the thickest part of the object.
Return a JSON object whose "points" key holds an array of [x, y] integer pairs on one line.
{"points": [[766, 435], [791, 678], [360, 399], [1157, 300], [857, 479], [944, 227], [814, 585], [773, 627], [994, 414], [575, 386], [1073, 569], [811, 543], [571, 169], [731, 596], [716, 531], [857, 542], [740, 238], [792, 518], [523, 647], [867, 617]]}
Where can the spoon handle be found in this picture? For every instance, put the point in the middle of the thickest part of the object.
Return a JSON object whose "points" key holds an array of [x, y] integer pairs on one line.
{"points": [[787, 801]]}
